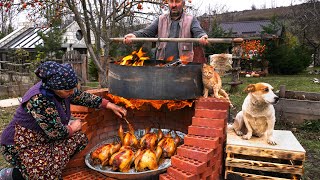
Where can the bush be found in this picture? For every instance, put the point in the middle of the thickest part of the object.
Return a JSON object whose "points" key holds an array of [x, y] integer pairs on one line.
{"points": [[93, 71], [311, 125], [294, 60]]}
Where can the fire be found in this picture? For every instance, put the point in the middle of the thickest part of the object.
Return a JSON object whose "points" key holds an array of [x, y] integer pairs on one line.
{"points": [[184, 59], [135, 59], [157, 104], [170, 58]]}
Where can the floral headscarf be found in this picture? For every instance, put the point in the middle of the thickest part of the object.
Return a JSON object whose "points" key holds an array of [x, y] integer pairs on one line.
{"points": [[57, 76]]}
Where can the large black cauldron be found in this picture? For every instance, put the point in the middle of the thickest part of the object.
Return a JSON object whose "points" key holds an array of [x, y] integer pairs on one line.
{"points": [[155, 82]]}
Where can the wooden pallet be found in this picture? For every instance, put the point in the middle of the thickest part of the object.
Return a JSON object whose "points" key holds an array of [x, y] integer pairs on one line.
{"points": [[255, 159]]}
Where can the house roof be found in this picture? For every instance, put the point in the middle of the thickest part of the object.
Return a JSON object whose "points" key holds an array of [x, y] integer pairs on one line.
{"points": [[246, 28], [27, 38]]}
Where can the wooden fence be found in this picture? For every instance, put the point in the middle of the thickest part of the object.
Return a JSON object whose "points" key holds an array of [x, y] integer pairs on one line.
{"points": [[296, 107]]}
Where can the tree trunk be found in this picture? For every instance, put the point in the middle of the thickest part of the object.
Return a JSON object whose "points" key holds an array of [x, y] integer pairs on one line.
{"points": [[103, 75], [316, 57], [265, 67]]}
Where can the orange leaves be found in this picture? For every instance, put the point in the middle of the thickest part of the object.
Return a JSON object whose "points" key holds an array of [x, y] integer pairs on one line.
{"points": [[252, 49]]}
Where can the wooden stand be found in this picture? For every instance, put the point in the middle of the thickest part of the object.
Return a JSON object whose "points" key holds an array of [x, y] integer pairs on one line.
{"points": [[255, 159]]}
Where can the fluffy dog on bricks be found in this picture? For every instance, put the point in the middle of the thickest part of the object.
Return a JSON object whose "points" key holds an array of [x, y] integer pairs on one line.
{"points": [[258, 115]]}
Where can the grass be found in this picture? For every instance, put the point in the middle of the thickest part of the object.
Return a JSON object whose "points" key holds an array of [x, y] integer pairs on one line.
{"points": [[307, 134]]}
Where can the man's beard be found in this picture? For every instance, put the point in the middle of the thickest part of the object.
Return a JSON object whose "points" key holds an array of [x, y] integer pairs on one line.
{"points": [[175, 14]]}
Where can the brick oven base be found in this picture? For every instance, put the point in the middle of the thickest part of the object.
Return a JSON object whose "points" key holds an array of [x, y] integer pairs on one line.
{"points": [[200, 157]]}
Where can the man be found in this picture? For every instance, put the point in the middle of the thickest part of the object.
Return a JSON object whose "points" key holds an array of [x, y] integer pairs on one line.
{"points": [[176, 24]]}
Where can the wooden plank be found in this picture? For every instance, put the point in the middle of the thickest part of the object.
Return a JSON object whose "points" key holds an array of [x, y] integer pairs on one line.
{"points": [[268, 153], [248, 176], [302, 95], [298, 106], [287, 146], [264, 166]]}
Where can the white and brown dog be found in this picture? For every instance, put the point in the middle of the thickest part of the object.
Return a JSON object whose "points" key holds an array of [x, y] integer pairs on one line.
{"points": [[258, 115]]}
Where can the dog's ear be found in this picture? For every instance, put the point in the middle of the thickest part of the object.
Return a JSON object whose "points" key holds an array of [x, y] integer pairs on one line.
{"points": [[250, 88]]}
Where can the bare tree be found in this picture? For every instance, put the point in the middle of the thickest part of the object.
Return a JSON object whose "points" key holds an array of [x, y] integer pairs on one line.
{"points": [[307, 21], [7, 15]]}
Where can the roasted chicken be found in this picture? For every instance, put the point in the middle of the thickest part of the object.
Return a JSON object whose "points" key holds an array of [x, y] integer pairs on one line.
{"points": [[102, 154], [169, 145], [128, 139], [123, 159], [147, 159], [149, 140]]}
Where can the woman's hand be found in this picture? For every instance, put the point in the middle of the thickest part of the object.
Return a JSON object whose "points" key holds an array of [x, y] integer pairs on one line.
{"points": [[75, 125], [118, 110]]}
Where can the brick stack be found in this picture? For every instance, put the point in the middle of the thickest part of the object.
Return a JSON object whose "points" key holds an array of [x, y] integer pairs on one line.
{"points": [[91, 123], [200, 157]]}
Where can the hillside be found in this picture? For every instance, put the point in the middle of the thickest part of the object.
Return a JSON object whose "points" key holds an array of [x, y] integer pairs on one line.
{"points": [[259, 14]]}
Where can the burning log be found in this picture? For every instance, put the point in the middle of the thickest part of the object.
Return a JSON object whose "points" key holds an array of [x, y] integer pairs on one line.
{"points": [[178, 62]]}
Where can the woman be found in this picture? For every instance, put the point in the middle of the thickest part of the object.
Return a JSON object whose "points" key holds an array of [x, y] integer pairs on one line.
{"points": [[40, 139]]}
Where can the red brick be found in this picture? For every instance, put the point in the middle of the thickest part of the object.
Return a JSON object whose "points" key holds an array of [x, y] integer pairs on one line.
{"points": [[207, 173], [102, 92], [205, 131], [76, 108], [209, 122], [187, 164], [84, 126], [84, 172], [212, 103], [181, 174], [208, 113], [166, 176], [201, 141], [79, 162], [194, 152]]}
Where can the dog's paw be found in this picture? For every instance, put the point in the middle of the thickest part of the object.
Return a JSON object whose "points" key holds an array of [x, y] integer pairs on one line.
{"points": [[246, 137], [239, 133], [271, 141]]}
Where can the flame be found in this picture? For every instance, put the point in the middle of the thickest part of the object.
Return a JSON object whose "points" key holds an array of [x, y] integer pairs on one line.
{"points": [[157, 104], [170, 58], [136, 58], [184, 59]]}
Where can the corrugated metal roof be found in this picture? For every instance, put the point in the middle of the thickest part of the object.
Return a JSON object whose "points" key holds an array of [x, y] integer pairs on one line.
{"points": [[246, 28], [27, 39]]}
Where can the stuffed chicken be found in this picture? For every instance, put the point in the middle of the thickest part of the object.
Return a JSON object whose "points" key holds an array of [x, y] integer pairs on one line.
{"points": [[149, 140], [129, 138], [102, 154], [169, 145], [147, 159], [122, 160]]}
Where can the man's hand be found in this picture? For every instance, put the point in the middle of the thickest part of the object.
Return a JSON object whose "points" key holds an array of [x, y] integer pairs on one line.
{"points": [[128, 38], [118, 110], [204, 40]]}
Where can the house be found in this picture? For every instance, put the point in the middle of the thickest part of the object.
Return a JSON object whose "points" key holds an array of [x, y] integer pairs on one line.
{"points": [[27, 38], [247, 29]]}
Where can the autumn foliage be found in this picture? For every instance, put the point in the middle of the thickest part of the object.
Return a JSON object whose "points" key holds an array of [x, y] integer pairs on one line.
{"points": [[252, 49]]}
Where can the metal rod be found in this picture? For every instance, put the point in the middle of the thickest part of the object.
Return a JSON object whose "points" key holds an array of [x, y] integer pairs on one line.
{"points": [[189, 40], [126, 120]]}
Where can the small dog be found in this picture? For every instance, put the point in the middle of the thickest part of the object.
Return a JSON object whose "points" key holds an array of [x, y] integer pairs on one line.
{"points": [[258, 115]]}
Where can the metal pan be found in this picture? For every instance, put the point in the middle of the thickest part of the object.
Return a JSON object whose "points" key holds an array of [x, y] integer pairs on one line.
{"points": [[132, 174]]}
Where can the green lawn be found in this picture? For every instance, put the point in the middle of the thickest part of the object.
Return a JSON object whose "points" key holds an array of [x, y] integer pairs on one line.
{"points": [[308, 137]]}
